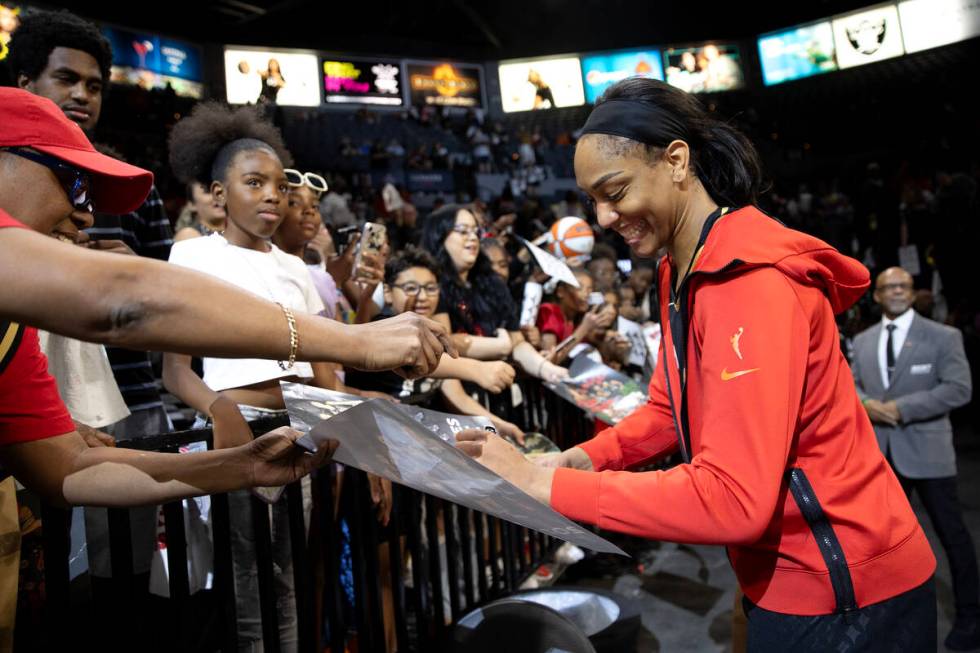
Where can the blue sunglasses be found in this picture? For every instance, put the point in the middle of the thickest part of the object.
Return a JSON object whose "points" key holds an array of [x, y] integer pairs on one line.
{"points": [[75, 182]]}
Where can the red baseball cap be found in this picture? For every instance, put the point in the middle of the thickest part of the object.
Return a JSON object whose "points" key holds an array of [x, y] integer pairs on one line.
{"points": [[33, 121]]}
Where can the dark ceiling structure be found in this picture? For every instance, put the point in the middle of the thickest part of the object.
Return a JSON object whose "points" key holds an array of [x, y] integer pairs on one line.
{"points": [[479, 30]]}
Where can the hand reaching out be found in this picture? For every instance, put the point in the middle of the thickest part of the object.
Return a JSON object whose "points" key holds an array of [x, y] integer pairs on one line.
{"points": [[274, 459], [494, 376], [407, 343]]}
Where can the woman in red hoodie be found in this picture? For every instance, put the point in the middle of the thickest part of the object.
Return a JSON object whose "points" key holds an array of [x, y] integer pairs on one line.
{"points": [[781, 462]]}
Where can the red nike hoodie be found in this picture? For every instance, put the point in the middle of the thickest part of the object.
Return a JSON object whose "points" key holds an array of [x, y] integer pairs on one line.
{"points": [[773, 425]]}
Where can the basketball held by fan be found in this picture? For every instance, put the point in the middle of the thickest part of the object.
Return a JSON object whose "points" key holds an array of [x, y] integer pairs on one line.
{"points": [[571, 239]]}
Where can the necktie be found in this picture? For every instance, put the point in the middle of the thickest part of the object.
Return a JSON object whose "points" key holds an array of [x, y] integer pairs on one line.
{"points": [[890, 351]]}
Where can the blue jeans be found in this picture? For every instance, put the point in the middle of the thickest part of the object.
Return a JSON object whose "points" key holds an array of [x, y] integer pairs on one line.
{"points": [[245, 570], [246, 573]]}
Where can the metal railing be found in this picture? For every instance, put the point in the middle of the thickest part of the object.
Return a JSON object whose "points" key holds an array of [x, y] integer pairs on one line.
{"points": [[459, 558]]}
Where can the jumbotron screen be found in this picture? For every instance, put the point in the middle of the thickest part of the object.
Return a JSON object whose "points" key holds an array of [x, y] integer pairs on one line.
{"points": [[444, 84], [796, 53], [362, 81], [868, 36], [151, 61], [600, 71], [932, 23], [271, 77], [707, 68], [541, 84]]}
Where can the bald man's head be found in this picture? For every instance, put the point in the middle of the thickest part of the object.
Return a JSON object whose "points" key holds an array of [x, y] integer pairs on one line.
{"points": [[894, 292]]}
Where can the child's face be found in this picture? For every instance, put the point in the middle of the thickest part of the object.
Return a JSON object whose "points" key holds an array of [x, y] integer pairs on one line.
{"points": [[254, 193], [301, 219], [578, 298], [416, 282]]}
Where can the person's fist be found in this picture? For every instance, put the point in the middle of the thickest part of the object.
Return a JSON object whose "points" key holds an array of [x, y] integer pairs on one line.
{"points": [[495, 376], [408, 343]]}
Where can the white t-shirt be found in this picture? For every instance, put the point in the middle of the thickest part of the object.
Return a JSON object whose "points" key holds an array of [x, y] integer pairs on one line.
{"points": [[85, 380], [275, 276]]}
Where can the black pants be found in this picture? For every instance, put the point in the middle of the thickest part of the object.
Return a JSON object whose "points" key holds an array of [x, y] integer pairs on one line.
{"points": [[939, 497], [902, 624]]}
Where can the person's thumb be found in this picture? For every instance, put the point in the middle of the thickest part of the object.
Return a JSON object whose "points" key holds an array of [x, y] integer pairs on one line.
{"points": [[352, 245], [410, 303]]}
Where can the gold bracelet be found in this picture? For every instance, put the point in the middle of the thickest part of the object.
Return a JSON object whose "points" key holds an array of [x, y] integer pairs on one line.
{"points": [[293, 337]]}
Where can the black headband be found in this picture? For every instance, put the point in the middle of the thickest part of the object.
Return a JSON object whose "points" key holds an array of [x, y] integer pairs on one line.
{"points": [[636, 120], [648, 124]]}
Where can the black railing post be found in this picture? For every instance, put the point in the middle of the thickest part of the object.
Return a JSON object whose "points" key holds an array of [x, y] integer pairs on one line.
{"points": [[493, 537], [121, 565], [325, 481], [395, 528], [302, 569], [482, 550], [452, 558], [432, 507], [266, 577], [173, 515], [420, 586], [507, 545], [55, 539], [352, 497], [466, 544], [224, 578]]}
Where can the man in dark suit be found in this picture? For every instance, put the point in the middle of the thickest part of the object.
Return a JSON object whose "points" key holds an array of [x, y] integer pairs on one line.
{"points": [[910, 372]]}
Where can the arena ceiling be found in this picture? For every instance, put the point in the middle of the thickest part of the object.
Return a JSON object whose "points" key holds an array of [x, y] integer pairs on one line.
{"points": [[488, 29]]}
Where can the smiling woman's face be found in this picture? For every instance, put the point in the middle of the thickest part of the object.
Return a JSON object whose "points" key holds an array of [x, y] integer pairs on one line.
{"points": [[463, 245], [633, 196]]}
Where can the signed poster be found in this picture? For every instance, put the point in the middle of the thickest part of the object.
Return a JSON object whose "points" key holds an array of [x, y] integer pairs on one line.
{"points": [[415, 447], [599, 390]]}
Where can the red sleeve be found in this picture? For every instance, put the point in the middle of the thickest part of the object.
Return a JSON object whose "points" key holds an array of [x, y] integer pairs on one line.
{"points": [[551, 320], [728, 493], [30, 408]]}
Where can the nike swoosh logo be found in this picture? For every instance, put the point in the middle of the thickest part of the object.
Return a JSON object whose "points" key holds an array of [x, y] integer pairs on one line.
{"points": [[728, 376]]}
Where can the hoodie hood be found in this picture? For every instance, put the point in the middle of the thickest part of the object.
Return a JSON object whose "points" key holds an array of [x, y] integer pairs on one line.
{"points": [[748, 238]]}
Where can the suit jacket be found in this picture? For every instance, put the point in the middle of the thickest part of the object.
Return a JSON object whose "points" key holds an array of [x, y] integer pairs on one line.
{"points": [[931, 378]]}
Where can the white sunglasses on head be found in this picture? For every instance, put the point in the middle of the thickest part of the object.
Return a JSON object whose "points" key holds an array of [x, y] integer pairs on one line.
{"points": [[311, 179]]}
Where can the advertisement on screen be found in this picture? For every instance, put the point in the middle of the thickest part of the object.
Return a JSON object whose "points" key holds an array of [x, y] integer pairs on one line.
{"points": [[444, 84], [272, 77], [600, 71], [868, 36], [932, 23], [541, 84], [154, 53], [708, 68], [362, 82], [154, 62], [796, 53]]}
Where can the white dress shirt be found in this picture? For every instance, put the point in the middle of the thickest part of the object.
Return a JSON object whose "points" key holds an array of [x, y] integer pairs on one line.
{"points": [[902, 324]]}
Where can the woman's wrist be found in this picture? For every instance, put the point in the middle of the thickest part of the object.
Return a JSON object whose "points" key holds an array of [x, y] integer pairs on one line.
{"points": [[577, 458]]}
